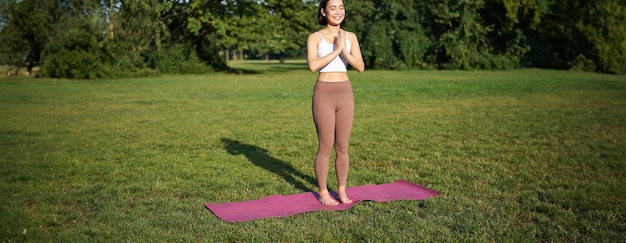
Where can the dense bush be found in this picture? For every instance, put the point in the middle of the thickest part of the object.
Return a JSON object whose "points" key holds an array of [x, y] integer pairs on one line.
{"points": [[71, 64], [74, 55], [178, 58], [77, 55]]}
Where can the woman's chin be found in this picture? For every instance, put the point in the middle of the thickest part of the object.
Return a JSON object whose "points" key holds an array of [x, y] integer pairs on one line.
{"points": [[334, 23]]}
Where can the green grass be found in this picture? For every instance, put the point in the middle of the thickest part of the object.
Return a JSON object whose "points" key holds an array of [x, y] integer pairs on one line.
{"points": [[518, 155]]}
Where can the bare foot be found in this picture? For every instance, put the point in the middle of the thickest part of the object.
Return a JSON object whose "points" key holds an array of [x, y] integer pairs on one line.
{"points": [[326, 199], [343, 197]]}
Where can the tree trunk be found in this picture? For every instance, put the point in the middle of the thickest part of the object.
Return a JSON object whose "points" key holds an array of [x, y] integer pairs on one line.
{"points": [[111, 20]]}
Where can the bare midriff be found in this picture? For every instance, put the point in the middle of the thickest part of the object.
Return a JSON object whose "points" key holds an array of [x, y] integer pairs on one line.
{"points": [[333, 77]]}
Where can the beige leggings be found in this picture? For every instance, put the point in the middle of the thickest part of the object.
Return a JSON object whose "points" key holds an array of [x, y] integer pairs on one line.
{"points": [[333, 113]]}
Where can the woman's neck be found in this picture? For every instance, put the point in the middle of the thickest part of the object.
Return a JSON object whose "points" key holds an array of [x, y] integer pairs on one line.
{"points": [[333, 29]]}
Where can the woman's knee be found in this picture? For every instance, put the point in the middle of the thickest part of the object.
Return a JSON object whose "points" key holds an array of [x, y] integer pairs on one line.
{"points": [[341, 148], [325, 149]]}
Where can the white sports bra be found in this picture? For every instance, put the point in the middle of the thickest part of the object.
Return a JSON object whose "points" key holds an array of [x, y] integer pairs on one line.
{"points": [[336, 65]]}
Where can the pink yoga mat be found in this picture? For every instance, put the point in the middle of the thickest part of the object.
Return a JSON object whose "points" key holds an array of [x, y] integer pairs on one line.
{"points": [[281, 206]]}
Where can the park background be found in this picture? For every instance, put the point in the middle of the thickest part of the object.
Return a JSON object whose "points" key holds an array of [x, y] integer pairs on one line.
{"points": [[112, 38], [143, 111]]}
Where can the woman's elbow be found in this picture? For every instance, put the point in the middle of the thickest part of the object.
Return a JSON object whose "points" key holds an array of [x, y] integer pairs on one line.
{"points": [[311, 66]]}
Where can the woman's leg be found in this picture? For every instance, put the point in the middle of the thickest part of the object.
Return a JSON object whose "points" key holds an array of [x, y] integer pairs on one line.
{"points": [[343, 125], [324, 117]]}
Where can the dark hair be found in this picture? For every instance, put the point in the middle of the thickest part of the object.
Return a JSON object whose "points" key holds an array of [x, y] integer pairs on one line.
{"points": [[321, 19]]}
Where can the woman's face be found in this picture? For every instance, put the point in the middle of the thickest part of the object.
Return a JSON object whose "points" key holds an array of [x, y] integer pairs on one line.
{"points": [[334, 11]]}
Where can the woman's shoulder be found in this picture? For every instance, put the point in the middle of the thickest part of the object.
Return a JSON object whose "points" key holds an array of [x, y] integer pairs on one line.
{"points": [[315, 34], [351, 36]]}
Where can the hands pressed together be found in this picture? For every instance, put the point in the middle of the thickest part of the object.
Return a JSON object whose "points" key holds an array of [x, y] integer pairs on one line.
{"points": [[340, 42]]}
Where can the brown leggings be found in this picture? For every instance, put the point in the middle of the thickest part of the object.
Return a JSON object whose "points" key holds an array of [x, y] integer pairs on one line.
{"points": [[333, 113]]}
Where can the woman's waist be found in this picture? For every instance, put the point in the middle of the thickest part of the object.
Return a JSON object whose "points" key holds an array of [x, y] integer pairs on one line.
{"points": [[333, 77], [333, 88]]}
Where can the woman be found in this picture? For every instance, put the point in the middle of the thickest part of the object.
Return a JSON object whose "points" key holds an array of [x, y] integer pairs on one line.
{"points": [[329, 51]]}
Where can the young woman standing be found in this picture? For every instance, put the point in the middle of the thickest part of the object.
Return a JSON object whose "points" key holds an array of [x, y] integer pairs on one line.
{"points": [[329, 51]]}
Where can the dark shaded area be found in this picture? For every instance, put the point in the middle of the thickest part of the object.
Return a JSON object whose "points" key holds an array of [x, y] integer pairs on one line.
{"points": [[242, 71], [261, 158], [267, 67]]}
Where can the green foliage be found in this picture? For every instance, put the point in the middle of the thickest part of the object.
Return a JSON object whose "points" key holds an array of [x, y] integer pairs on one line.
{"points": [[528, 11], [269, 27], [425, 34], [140, 25], [179, 59], [118, 63], [604, 26], [135, 36], [465, 45], [413, 47], [71, 64], [379, 49], [583, 35], [121, 55], [27, 31], [391, 33], [75, 55]]}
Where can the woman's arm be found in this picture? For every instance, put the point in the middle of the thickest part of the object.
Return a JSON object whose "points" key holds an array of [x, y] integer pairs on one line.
{"points": [[354, 57]]}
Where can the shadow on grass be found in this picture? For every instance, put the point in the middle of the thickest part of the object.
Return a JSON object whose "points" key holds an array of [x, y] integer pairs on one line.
{"points": [[269, 67], [261, 158], [242, 71]]}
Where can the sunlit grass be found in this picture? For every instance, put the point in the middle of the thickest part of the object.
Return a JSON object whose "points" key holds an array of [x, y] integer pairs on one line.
{"points": [[519, 155]]}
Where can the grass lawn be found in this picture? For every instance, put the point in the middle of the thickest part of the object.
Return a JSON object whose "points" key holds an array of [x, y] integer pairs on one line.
{"points": [[518, 155]]}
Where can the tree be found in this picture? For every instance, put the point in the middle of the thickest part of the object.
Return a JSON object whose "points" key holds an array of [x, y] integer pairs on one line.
{"points": [[510, 21], [32, 26], [26, 31], [399, 34], [268, 27], [604, 26], [291, 22], [392, 33], [137, 32]]}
